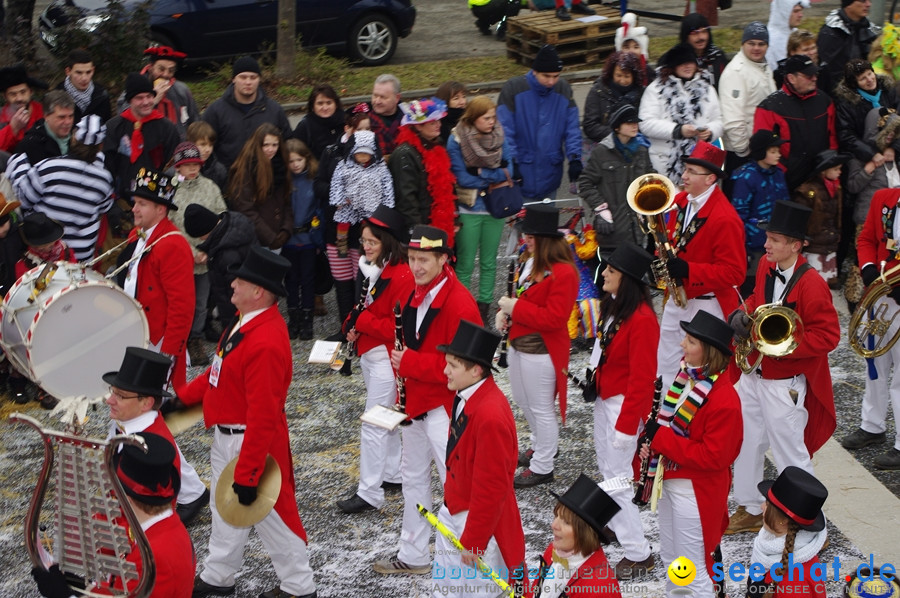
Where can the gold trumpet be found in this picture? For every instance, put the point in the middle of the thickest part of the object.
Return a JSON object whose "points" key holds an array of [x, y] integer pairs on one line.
{"points": [[776, 331], [650, 196], [875, 322]]}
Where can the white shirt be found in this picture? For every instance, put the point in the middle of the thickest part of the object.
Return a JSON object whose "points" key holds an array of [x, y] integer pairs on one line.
{"points": [[426, 303], [133, 426], [694, 205], [464, 395], [780, 287], [130, 286]]}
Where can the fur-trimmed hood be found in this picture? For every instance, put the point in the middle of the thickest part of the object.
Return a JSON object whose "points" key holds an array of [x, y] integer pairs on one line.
{"points": [[842, 93]]}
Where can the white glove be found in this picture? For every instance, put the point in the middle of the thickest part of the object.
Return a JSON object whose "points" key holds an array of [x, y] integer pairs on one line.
{"points": [[507, 304], [622, 441], [500, 321]]}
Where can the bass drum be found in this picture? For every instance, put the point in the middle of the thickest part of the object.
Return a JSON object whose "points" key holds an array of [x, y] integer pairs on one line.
{"points": [[73, 331]]}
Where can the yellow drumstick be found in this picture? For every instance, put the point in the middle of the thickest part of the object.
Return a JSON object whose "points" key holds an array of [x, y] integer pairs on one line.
{"points": [[440, 527]]}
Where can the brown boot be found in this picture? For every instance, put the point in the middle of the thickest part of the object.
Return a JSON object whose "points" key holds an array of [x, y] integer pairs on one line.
{"points": [[742, 522], [320, 309], [198, 353]]}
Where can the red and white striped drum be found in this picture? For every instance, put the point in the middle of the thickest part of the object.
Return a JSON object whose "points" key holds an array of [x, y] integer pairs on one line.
{"points": [[65, 336]]}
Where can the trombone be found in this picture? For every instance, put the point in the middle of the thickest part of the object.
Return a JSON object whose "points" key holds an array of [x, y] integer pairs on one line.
{"points": [[650, 196]]}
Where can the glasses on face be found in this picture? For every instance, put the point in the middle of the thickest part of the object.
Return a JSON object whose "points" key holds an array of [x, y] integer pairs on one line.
{"points": [[113, 391], [369, 242], [695, 172]]}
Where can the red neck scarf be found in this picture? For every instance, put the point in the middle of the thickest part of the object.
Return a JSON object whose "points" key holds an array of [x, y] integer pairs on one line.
{"points": [[831, 186], [440, 180], [422, 290], [137, 137]]}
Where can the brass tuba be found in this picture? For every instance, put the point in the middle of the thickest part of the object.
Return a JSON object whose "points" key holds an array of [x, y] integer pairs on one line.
{"points": [[869, 320], [776, 331], [650, 196]]}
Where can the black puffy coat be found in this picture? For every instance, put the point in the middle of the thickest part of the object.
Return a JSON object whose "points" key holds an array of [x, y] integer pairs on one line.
{"points": [[227, 244], [599, 104], [851, 110]]}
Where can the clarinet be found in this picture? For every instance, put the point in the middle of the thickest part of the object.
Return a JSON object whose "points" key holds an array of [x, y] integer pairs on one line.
{"points": [[641, 492], [398, 345], [351, 346], [511, 293]]}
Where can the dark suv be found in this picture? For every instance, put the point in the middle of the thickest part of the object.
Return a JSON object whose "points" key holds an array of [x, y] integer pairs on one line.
{"points": [[211, 30]]}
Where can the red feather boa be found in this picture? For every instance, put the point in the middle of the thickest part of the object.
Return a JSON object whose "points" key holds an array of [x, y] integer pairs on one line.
{"points": [[440, 180]]}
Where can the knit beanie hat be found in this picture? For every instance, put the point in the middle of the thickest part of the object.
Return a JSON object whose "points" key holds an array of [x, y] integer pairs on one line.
{"points": [[846, 3], [245, 64], [186, 153], [199, 221], [547, 61], [90, 130], [755, 31], [624, 113], [136, 83]]}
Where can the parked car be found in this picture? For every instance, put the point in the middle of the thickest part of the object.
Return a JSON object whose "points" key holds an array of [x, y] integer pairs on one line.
{"points": [[212, 30]]}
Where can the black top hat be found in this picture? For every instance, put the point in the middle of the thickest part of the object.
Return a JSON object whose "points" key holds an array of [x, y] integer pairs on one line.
{"points": [[789, 218], [799, 494], [390, 220], [630, 259], [590, 502], [150, 477], [155, 186], [428, 238], [761, 141], [142, 371], [10, 76], [711, 330], [474, 343], [677, 55], [263, 268], [39, 229], [829, 158], [541, 220]]}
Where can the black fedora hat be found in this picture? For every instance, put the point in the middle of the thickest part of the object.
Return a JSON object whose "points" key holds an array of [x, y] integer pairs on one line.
{"points": [[799, 495], [711, 330], [541, 220], [150, 477], [10, 76], [829, 158], [390, 220], [39, 229], [429, 238], [590, 502], [474, 343], [263, 268], [789, 218], [156, 186], [142, 371], [630, 259]]}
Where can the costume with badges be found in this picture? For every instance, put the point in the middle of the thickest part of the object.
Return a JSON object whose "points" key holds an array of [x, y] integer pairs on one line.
{"points": [[594, 577]]}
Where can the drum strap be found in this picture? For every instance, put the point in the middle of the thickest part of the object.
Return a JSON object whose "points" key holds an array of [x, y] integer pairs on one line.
{"points": [[145, 250]]}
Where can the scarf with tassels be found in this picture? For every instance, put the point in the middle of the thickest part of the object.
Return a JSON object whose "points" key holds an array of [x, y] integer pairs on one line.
{"points": [[137, 137], [440, 180], [680, 420]]}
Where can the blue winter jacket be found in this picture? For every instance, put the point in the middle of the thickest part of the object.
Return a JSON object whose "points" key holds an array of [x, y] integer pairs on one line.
{"points": [[303, 202], [755, 192], [541, 126], [487, 177]]}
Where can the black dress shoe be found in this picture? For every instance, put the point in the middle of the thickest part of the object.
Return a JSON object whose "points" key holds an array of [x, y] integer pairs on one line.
{"points": [[391, 486], [201, 589], [189, 512], [354, 504], [562, 14], [279, 593]]}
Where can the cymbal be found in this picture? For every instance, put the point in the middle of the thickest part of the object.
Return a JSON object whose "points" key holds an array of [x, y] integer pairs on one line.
{"points": [[181, 420], [238, 515]]}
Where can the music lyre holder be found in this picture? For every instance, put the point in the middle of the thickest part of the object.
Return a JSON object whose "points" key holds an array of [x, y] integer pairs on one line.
{"points": [[90, 540]]}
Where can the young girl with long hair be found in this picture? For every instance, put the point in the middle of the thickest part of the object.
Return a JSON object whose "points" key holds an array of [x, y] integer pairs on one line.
{"points": [[260, 186]]}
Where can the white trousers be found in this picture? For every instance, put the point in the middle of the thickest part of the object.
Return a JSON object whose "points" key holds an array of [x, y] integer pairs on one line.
{"points": [[681, 534], [424, 441], [226, 543], [192, 487], [615, 452], [771, 419], [885, 390], [449, 576], [669, 352], [533, 382], [379, 450]]}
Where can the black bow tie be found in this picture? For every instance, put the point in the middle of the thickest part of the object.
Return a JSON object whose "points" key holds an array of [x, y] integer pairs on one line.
{"points": [[777, 274]]}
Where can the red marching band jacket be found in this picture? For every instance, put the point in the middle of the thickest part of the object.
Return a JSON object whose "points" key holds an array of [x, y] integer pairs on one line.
{"points": [[375, 323], [630, 368], [811, 299], [716, 253], [544, 308], [480, 471], [871, 246], [594, 578]]}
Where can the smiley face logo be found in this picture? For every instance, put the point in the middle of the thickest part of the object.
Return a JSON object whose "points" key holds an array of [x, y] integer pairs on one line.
{"points": [[682, 571]]}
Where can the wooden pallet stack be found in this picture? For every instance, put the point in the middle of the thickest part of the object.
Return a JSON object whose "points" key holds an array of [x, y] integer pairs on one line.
{"points": [[578, 42]]}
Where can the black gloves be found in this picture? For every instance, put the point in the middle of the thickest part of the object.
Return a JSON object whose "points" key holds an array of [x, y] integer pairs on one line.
{"points": [[603, 226], [350, 322], [473, 170], [52, 583], [590, 386], [869, 274], [575, 169], [678, 268], [246, 494], [504, 163], [740, 322]]}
